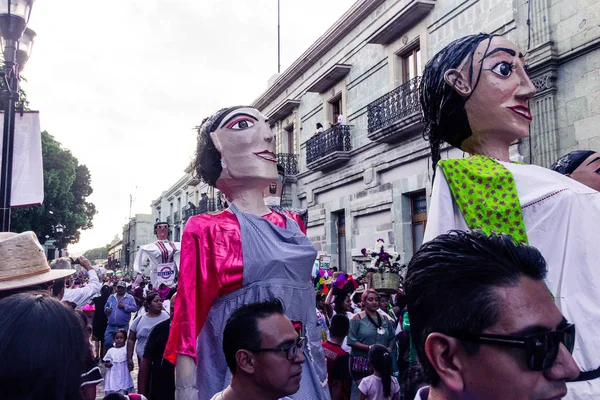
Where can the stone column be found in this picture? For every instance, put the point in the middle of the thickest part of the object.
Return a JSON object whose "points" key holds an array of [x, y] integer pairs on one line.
{"points": [[543, 133]]}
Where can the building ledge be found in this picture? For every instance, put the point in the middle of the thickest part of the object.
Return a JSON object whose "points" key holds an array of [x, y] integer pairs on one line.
{"points": [[398, 130], [330, 161], [283, 110], [350, 20], [400, 23], [329, 78]]}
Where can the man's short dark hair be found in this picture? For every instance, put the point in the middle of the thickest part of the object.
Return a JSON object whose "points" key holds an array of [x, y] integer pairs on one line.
{"points": [[340, 326], [241, 331], [450, 280]]}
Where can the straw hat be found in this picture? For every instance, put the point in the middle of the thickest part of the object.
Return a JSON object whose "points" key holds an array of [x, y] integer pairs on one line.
{"points": [[23, 262]]}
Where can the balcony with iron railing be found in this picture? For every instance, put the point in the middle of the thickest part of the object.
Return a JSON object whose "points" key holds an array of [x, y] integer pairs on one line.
{"points": [[329, 149], [187, 212], [396, 115], [205, 207], [289, 162]]}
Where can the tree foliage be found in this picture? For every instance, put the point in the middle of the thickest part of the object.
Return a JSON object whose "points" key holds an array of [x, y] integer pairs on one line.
{"points": [[67, 184], [99, 253]]}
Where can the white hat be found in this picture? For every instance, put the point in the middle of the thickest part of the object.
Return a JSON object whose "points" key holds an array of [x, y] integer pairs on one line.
{"points": [[23, 262]]}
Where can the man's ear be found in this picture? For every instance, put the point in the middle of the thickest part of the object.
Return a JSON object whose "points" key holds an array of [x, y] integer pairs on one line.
{"points": [[458, 81], [446, 354], [245, 361], [216, 141]]}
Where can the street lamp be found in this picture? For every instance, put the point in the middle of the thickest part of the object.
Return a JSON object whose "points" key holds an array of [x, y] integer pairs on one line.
{"points": [[14, 16], [59, 228]]}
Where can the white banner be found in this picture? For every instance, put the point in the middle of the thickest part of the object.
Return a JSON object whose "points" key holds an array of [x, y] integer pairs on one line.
{"points": [[27, 171]]}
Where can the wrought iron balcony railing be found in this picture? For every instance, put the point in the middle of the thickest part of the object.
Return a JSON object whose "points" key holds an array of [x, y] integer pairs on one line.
{"points": [[400, 103], [289, 163], [336, 138], [187, 212]]}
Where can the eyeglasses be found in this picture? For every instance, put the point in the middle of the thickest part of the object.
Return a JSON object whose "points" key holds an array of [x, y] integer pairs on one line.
{"points": [[290, 351], [542, 348]]}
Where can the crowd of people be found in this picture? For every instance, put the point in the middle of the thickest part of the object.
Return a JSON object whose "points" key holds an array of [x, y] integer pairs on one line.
{"points": [[51, 320], [487, 309]]}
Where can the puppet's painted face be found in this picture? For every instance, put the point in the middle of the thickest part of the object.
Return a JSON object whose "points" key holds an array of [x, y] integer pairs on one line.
{"points": [[588, 172], [162, 231], [247, 146], [499, 103]]}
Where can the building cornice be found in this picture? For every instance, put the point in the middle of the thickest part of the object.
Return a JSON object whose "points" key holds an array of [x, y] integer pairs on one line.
{"points": [[341, 28]]}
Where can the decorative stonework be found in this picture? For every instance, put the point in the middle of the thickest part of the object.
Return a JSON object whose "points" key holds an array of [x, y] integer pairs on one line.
{"points": [[544, 82]]}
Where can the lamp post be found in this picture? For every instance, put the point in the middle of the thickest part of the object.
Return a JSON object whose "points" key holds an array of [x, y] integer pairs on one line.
{"points": [[14, 16]]}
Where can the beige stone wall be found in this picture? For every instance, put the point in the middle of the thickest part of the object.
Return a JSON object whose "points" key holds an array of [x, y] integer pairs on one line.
{"points": [[563, 47]]}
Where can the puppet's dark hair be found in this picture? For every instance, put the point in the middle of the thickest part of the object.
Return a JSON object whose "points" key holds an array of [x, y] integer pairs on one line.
{"points": [[208, 159], [443, 108], [568, 163]]}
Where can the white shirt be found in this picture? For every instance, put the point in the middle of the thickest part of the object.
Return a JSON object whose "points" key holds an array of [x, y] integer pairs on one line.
{"points": [[423, 393], [341, 119], [82, 296], [219, 396], [152, 253], [562, 220]]}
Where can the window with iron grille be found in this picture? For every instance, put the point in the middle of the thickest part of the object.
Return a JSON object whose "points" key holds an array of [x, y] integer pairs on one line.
{"points": [[418, 208]]}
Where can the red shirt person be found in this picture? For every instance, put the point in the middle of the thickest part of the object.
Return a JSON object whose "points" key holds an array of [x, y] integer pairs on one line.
{"points": [[338, 359]]}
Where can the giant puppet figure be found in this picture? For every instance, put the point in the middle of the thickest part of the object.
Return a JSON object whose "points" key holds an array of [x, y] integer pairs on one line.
{"points": [[159, 259], [475, 95], [245, 254]]}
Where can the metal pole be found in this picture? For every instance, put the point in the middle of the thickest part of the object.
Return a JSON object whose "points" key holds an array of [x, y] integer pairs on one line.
{"points": [[9, 97], [278, 41]]}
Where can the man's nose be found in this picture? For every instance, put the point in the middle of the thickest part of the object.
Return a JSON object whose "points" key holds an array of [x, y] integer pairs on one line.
{"points": [[300, 357], [564, 368]]}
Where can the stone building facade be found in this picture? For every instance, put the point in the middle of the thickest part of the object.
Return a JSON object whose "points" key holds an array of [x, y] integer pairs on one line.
{"points": [[186, 197], [371, 177], [115, 254], [137, 232]]}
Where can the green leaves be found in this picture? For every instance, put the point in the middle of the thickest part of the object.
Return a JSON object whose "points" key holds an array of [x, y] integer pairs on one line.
{"points": [[67, 184]]}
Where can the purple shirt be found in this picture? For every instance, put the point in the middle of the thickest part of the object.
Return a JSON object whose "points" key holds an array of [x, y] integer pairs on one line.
{"points": [[120, 317]]}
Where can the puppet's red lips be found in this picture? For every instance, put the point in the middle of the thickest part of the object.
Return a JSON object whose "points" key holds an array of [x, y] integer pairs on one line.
{"points": [[522, 111], [267, 155]]}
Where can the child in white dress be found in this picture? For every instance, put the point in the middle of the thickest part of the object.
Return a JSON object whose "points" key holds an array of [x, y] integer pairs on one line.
{"points": [[118, 378]]}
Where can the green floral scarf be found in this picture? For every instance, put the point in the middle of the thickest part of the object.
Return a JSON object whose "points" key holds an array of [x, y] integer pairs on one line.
{"points": [[486, 194]]}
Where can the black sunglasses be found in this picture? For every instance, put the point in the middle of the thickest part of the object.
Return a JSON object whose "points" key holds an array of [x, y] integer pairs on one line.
{"points": [[290, 352], [542, 348]]}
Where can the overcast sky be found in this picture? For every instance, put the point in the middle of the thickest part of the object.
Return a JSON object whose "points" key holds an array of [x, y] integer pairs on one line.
{"points": [[122, 83]]}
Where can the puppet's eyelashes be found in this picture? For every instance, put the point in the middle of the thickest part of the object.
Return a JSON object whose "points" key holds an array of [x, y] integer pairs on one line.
{"points": [[503, 68], [240, 123]]}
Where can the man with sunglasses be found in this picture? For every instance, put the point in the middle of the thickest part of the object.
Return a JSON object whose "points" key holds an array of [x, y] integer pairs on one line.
{"points": [[484, 323], [263, 352]]}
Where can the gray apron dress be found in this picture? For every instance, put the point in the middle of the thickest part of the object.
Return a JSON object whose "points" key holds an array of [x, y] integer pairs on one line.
{"points": [[277, 264]]}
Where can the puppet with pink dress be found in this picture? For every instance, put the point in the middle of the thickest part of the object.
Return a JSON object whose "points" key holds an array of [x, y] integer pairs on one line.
{"points": [[245, 254]]}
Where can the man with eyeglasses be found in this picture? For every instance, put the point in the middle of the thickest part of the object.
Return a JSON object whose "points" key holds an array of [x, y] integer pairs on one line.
{"points": [[484, 323], [263, 352]]}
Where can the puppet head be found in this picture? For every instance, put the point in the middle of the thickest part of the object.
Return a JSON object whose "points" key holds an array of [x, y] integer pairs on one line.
{"points": [[236, 148], [161, 230], [581, 165], [474, 93]]}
